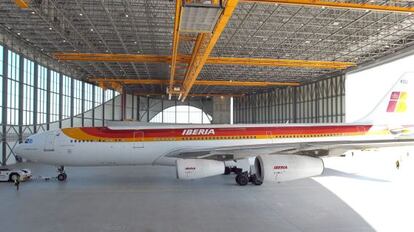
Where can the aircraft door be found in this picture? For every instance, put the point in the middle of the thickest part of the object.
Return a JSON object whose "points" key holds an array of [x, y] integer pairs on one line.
{"points": [[270, 136], [138, 139], [50, 142]]}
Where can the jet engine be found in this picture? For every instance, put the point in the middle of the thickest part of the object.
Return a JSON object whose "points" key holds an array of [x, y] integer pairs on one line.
{"points": [[198, 168], [281, 168]]}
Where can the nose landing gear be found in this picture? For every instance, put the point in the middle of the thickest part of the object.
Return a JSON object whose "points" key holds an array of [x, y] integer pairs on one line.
{"points": [[62, 175]]}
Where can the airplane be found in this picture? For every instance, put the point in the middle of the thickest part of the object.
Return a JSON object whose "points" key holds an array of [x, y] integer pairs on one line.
{"points": [[281, 152]]}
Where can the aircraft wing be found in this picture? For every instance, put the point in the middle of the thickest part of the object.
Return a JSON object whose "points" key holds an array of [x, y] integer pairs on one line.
{"points": [[317, 148]]}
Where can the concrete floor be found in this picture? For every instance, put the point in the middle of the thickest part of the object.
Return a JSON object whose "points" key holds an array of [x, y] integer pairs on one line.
{"points": [[151, 199]]}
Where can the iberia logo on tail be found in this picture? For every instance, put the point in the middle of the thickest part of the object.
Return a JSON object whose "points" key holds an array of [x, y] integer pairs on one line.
{"points": [[397, 102]]}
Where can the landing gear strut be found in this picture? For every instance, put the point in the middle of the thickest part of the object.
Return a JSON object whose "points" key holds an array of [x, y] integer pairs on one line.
{"points": [[62, 175], [244, 178], [234, 169]]}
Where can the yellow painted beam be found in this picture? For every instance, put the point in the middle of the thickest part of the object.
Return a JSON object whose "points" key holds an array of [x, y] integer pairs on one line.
{"points": [[211, 60], [246, 83], [102, 57], [175, 45], [102, 81], [191, 95], [207, 44], [22, 4], [280, 62], [342, 5]]}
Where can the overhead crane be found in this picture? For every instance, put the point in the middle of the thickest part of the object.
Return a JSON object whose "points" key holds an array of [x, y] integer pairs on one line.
{"points": [[205, 42], [176, 36], [124, 81], [184, 59]]}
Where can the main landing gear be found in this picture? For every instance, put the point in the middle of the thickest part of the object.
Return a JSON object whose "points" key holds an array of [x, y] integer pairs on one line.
{"points": [[244, 178], [62, 175]]}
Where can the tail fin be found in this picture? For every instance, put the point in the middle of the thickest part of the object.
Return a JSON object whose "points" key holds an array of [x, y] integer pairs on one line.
{"points": [[397, 106]]}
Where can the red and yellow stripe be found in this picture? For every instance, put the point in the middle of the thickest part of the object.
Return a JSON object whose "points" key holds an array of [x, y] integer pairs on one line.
{"points": [[104, 134]]}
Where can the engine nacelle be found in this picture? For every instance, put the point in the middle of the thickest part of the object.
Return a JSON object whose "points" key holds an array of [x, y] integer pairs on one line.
{"points": [[198, 168], [281, 168]]}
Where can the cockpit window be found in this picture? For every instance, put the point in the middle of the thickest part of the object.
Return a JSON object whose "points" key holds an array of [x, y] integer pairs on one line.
{"points": [[28, 141]]}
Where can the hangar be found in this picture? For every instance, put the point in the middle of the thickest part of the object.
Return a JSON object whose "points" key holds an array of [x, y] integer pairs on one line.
{"points": [[99, 63]]}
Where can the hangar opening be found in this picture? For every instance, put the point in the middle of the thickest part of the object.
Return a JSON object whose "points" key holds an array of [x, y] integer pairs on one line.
{"points": [[316, 93]]}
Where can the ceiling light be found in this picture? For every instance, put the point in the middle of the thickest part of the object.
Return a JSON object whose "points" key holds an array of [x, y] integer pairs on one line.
{"points": [[126, 15], [307, 41], [64, 41], [135, 42], [91, 29], [366, 10], [323, 7], [18, 33], [33, 12], [80, 14], [50, 28], [107, 51], [335, 23]]}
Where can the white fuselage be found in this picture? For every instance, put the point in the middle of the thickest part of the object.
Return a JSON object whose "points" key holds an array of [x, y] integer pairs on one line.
{"points": [[55, 147]]}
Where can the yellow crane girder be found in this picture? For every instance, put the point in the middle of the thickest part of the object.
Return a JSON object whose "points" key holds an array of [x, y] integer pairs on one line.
{"points": [[111, 81], [342, 5], [175, 45], [207, 43], [22, 4], [90, 57], [190, 95]]}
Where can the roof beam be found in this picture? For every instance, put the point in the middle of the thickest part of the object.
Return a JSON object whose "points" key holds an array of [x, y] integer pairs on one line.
{"points": [[343, 5], [102, 57], [175, 45], [99, 57], [101, 81], [191, 95], [207, 43], [280, 62], [22, 4]]}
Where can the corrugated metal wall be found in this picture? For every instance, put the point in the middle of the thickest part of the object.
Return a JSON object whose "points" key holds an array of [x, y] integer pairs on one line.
{"points": [[319, 102]]}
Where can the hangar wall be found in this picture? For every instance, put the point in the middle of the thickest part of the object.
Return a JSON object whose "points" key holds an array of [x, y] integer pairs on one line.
{"points": [[36, 96], [318, 102]]}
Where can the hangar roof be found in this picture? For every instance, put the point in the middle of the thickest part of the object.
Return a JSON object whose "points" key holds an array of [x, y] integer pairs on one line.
{"points": [[278, 31]]}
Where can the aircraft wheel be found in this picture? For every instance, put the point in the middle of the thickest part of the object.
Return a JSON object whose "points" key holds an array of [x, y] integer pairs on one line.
{"points": [[62, 177], [227, 170], [14, 177], [255, 180], [242, 179]]}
